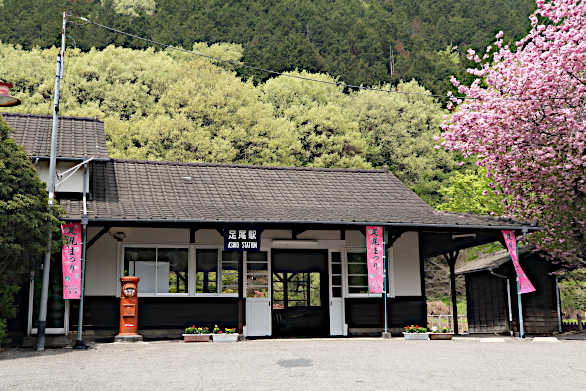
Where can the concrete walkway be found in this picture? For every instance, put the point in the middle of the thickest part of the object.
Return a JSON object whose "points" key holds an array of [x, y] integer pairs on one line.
{"points": [[303, 364]]}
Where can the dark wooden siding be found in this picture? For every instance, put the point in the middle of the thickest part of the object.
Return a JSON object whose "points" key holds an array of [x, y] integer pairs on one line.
{"points": [[368, 312], [102, 312], [487, 303], [487, 299], [539, 307]]}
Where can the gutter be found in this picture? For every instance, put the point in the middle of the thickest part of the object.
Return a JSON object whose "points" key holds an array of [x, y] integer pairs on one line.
{"points": [[72, 159], [352, 223]]}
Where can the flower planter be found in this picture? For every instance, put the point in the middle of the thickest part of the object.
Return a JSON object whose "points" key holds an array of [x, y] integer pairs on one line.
{"points": [[196, 338], [225, 337], [416, 336], [441, 336]]}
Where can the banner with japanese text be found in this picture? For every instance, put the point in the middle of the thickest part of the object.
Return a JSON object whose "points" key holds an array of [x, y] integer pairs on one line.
{"points": [[374, 258], [71, 259], [525, 286]]}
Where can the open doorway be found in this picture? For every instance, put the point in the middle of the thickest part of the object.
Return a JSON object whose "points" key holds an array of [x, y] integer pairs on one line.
{"points": [[300, 293]]}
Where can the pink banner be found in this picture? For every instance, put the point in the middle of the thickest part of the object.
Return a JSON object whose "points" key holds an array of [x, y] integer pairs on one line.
{"points": [[525, 286], [71, 259], [374, 258]]}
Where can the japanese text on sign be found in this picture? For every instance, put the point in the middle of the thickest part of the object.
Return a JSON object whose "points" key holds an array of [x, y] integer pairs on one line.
{"points": [[71, 260], [525, 286], [242, 239], [375, 249]]}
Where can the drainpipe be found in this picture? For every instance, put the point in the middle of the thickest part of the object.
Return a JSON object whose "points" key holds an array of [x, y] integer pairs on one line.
{"points": [[508, 298]]}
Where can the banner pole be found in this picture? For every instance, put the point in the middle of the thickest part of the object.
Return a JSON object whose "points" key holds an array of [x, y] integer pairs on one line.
{"points": [[80, 343], [519, 301], [385, 280]]}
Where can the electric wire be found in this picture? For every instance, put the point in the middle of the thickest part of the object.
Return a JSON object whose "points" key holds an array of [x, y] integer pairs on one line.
{"points": [[290, 75]]}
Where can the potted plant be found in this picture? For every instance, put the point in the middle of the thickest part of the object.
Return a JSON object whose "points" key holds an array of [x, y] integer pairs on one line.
{"points": [[224, 335], [196, 334], [414, 332], [441, 335]]}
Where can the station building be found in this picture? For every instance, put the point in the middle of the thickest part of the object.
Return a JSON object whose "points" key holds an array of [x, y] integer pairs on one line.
{"points": [[273, 251]]}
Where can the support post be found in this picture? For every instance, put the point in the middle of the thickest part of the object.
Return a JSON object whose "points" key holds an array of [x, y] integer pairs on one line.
{"points": [[509, 304], [451, 259], [241, 294], [52, 171], [558, 304]]}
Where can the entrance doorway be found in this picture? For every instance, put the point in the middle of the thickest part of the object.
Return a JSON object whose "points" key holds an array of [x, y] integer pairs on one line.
{"points": [[300, 293]]}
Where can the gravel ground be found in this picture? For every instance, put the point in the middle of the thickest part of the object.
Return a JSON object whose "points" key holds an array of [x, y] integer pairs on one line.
{"points": [[302, 364]]}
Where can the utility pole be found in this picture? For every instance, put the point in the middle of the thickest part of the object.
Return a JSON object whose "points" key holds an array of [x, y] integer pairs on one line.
{"points": [[391, 62], [52, 171]]}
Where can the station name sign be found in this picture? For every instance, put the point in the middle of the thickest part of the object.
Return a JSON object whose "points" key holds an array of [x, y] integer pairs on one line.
{"points": [[242, 239]]}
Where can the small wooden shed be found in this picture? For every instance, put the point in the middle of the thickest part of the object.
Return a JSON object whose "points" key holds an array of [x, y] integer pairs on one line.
{"points": [[492, 308]]}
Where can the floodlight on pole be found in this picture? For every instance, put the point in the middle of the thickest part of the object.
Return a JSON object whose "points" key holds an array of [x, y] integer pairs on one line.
{"points": [[6, 100]]}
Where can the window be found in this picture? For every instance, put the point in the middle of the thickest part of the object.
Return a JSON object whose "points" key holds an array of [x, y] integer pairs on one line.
{"points": [[357, 272], [229, 271], [257, 274], [216, 271], [296, 290], [161, 270], [336, 274]]}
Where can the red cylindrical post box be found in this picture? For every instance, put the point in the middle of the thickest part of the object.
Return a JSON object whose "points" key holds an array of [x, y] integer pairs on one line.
{"points": [[128, 310]]}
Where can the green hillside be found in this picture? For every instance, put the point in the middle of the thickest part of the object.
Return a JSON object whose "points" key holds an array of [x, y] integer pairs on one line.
{"points": [[347, 39], [174, 106]]}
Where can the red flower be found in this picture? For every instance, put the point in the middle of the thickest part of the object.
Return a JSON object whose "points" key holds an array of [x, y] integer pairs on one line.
{"points": [[416, 327]]}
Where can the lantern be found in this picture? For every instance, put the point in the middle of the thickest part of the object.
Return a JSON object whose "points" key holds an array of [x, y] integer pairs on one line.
{"points": [[5, 99]]}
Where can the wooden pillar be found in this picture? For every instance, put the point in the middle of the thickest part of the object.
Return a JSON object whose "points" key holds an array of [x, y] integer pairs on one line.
{"points": [[451, 259], [241, 293]]}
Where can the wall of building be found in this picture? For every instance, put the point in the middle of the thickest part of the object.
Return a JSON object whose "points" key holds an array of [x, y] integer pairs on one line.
{"points": [[102, 266], [405, 266], [73, 184]]}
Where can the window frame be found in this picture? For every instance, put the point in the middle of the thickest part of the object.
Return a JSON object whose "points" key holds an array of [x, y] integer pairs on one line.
{"points": [[218, 273], [347, 275], [123, 246]]}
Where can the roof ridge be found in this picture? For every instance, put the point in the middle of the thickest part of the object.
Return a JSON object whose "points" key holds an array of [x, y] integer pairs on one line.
{"points": [[250, 166], [25, 115]]}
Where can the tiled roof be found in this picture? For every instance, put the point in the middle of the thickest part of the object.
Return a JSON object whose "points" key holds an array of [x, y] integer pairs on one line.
{"points": [[488, 261], [78, 138], [198, 192]]}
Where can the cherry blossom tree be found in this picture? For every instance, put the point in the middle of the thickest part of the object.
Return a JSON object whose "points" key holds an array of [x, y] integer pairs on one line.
{"points": [[523, 119]]}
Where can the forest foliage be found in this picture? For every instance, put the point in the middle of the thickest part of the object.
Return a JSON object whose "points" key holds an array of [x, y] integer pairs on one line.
{"points": [[161, 105], [348, 39]]}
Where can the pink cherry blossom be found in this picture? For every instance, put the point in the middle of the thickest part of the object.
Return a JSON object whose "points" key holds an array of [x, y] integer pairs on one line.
{"points": [[526, 124]]}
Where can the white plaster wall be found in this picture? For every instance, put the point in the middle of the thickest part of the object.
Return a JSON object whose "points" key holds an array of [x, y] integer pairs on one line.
{"points": [[405, 271], [320, 235], [208, 237], [101, 266], [269, 234], [102, 258], [355, 239], [73, 184], [155, 235]]}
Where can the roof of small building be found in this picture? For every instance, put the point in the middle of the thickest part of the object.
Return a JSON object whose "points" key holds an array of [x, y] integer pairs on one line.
{"points": [[152, 191], [78, 138], [488, 261]]}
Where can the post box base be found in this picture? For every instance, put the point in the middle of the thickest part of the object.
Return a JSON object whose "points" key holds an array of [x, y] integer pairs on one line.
{"points": [[128, 338]]}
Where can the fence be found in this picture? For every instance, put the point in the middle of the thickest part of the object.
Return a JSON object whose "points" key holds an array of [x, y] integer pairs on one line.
{"points": [[438, 322]]}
